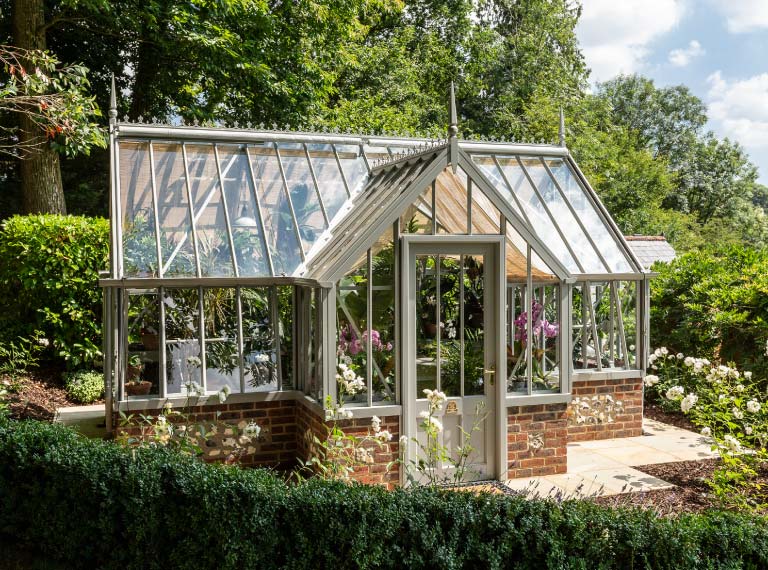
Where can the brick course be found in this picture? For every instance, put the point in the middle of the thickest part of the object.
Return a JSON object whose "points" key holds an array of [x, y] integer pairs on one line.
{"points": [[537, 439], [629, 423]]}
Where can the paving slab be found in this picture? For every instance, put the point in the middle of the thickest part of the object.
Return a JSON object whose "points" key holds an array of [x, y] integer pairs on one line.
{"points": [[606, 467]]}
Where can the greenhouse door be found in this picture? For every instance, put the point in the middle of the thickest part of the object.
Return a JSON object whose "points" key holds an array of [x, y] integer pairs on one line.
{"points": [[451, 318]]}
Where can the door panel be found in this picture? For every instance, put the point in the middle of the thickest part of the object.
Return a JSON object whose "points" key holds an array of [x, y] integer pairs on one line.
{"points": [[452, 321]]}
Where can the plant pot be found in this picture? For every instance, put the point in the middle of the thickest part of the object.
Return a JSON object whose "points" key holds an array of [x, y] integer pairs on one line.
{"points": [[430, 329], [151, 341], [138, 388], [133, 373]]}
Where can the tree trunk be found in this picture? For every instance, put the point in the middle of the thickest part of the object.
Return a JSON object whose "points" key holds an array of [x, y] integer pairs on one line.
{"points": [[41, 185]]}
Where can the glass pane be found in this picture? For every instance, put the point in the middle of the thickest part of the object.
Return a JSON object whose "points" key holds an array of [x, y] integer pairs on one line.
{"points": [[303, 195], [568, 224], [143, 344], [329, 178], [182, 349], [540, 221], [473, 330], [244, 216], [278, 221], [222, 361], [176, 245], [210, 224], [589, 217], [450, 327], [426, 324], [545, 346], [516, 254], [353, 165], [495, 177], [351, 314], [285, 329], [259, 355], [516, 347], [486, 218], [579, 327], [383, 312], [451, 202], [139, 244], [417, 219], [314, 373]]}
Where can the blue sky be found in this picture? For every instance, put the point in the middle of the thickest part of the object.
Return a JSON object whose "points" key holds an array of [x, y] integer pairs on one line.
{"points": [[718, 48]]}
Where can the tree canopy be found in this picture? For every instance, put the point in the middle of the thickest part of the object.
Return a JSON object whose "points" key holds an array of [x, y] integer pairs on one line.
{"points": [[384, 66]]}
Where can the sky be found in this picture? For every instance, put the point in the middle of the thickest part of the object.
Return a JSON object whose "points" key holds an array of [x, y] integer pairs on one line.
{"points": [[718, 48]]}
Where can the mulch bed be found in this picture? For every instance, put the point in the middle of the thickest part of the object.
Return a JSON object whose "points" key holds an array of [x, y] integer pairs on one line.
{"points": [[655, 412], [41, 393], [691, 494]]}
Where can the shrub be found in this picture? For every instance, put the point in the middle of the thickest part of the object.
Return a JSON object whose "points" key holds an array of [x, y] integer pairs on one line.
{"points": [[84, 386], [728, 407], [49, 282], [93, 504], [714, 304]]}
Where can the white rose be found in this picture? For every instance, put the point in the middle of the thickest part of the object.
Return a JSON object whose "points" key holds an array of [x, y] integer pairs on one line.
{"points": [[675, 393], [753, 406], [688, 402], [651, 380], [706, 432]]}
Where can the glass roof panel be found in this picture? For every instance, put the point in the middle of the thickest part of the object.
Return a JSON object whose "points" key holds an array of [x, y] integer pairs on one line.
{"points": [[139, 245], [176, 240], [279, 226], [306, 206], [210, 223], [244, 215], [534, 210], [586, 254], [354, 167], [517, 262], [332, 187], [588, 215]]}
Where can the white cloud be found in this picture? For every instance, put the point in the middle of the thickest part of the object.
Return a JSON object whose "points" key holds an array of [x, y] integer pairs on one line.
{"points": [[738, 109], [742, 16], [683, 56], [615, 35]]}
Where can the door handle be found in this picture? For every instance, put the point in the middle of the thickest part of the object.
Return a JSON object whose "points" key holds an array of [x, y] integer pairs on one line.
{"points": [[492, 373]]}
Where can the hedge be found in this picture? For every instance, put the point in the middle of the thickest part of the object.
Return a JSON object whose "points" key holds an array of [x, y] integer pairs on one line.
{"points": [[94, 504], [49, 282]]}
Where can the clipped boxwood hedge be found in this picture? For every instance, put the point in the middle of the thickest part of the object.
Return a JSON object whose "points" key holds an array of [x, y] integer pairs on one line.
{"points": [[49, 282], [90, 504]]}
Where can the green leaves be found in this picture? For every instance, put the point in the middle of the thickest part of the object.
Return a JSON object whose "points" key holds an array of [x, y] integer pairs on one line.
{"points": [[49, 282]]}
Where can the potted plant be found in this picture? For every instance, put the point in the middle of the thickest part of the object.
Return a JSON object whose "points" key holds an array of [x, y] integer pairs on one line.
{"points": [[149, 338], [134, 385]]}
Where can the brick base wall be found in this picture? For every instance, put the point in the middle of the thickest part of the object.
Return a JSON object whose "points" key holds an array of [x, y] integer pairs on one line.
{"points": [[588, 418], [287, 427], [536, 440], [275, 447], [310, 425]]}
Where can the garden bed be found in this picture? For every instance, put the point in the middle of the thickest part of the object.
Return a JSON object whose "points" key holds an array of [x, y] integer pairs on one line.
{"points": [[41, 393], [654, 411], [691, 492]]}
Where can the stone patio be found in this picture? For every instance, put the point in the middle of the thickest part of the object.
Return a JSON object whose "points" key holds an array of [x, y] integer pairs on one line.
{"points": [[607, 467]]}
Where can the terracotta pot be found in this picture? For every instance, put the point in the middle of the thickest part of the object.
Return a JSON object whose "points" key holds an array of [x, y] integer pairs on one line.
{"points": [[132, 373], [138, 388], [151, 341], [430, 329]]}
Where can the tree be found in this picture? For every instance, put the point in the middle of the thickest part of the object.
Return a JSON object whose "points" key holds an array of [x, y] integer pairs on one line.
{"points": [[51, 99]]}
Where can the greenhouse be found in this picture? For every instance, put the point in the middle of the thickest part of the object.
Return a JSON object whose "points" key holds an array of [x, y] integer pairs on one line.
{"points": [[270, 262]]}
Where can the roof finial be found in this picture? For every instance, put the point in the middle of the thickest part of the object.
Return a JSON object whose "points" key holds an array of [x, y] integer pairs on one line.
{"points": [[453, 128], [113, 103], [562, 127], [453, 131]]}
